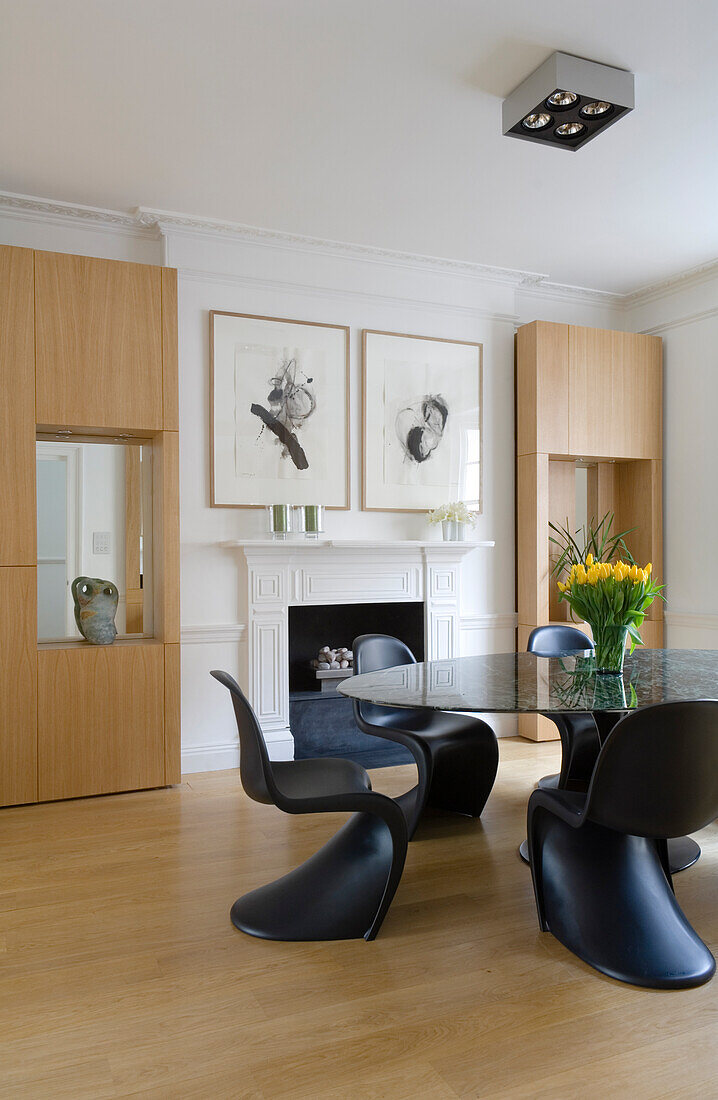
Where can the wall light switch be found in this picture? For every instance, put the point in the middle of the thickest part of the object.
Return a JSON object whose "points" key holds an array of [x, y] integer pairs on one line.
{"points": [[101, 542]]}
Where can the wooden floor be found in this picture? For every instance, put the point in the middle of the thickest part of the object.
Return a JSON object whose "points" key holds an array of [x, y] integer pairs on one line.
{"points": [[121, 975]]}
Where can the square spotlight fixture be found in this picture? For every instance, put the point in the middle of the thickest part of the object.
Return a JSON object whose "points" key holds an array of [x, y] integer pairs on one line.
{"points": [[567, 101]]}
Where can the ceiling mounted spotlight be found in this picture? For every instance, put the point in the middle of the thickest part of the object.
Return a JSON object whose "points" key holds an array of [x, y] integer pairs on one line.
{"points": [[594, 110], [569, 129], [587, 97], [537, 122], [561, 100]]}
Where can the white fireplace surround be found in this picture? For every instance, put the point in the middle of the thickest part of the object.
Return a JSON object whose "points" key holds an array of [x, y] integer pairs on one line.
{"points": [[283, 574]]}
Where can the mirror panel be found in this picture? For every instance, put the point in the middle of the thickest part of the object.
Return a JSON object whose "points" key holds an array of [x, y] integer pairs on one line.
{"points": [[94, 519]]}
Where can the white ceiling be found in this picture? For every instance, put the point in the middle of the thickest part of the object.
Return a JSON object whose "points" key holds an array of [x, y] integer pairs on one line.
{"points": [[375, 122]]}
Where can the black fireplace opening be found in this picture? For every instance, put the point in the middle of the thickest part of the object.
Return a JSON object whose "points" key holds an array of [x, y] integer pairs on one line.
{"points": [[311, 627], [322, 723]]}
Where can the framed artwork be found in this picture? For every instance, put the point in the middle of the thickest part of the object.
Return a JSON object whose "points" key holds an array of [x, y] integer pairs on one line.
{"points": [[422, 422], [279, 412]]}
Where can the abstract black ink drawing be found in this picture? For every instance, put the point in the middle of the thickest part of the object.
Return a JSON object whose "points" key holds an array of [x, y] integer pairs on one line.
{"points": [[291, 403], [420, 426]]}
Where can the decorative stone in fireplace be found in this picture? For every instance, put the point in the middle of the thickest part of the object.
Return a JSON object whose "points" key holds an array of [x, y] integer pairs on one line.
{"points": [[280, 575]]}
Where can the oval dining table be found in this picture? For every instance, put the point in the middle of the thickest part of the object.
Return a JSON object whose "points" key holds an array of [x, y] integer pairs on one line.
{"points": [[523, 683]]}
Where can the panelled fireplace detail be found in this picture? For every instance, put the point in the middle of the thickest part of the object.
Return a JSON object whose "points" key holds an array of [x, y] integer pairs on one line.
{"points": [[284, 574]]}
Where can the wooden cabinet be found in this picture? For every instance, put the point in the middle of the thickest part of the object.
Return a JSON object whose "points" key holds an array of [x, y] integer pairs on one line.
{"points": [[18, 685], [596, 396], [86, 344], [17, 408], [615, 394], [99, 343], [542, 408], [100, 719]]}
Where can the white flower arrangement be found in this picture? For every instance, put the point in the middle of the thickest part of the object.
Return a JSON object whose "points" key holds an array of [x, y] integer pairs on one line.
{"points": [[457, 511]]}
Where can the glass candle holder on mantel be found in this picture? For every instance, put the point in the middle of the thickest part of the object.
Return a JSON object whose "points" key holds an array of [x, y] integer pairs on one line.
{"points": [[313, 520], [279, 520], [308, 520]]}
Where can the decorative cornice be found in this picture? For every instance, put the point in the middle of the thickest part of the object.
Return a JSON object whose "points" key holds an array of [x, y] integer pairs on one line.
{"points": [[154, 223], [167, 221], [29, 206], [681, 280]]}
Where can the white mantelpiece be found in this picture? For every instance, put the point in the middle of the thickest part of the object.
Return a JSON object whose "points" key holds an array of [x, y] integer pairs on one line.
{"points": [[293, 572]]}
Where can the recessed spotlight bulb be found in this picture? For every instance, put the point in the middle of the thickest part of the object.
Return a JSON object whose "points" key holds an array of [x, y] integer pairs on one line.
{"points": [[536, 121], [593, 110], [562, 99], [569, 129]]}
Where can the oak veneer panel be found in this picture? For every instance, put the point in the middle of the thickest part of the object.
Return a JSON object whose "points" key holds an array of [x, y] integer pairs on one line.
{"points": [[562, 511], [18, 539], [170, 395], [637, 396], [165, 535], [98, 329], [602, 491], [542, 388], [591, 411], [532, 508], [173, 747], [18, 685], [639, 504], [134, 594], [100, 719]]}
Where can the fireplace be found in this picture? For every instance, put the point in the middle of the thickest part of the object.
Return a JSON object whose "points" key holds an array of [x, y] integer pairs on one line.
{"points": [[311, 627], [322, 723], [377, 585]]}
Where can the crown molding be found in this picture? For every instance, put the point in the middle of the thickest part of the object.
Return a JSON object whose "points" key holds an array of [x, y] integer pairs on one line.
{"points": [[681, 280], [169, 222], [155, 224], [31, 208]]}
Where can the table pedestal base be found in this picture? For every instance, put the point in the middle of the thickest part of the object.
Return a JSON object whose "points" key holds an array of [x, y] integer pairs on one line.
{"points": [[683, 852]]}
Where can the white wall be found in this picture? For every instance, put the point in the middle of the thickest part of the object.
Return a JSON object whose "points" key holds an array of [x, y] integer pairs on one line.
{"points": [[290, 282], [272, 275], [686, 317]]}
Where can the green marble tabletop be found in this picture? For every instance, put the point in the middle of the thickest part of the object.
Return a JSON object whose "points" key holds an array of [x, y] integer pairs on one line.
{"points": [[522, 683]]}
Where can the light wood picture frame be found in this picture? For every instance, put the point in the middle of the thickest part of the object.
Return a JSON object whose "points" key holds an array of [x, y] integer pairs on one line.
{"points": [[279, 412], [422, 438]]}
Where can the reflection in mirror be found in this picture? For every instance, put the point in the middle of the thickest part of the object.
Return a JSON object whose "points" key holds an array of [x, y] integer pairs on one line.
{"points": [[94, 519], [582, 516]]}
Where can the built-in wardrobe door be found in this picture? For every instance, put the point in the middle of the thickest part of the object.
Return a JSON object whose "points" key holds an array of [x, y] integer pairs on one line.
{"points": [[18, 684], [100, 718], [98, 329], [17, 408]]}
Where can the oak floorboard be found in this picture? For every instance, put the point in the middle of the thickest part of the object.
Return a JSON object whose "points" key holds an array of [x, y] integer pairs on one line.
{"points": [[122, 976]]}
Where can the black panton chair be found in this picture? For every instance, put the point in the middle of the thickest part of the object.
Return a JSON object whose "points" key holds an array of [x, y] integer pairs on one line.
{"points": [[345, 889], [578, 732], [599, 860], [456, 756]]}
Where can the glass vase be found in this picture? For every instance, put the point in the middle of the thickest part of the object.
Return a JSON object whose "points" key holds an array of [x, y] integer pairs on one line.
{"points": [[452, 530], [610, 647], [280, 522]]}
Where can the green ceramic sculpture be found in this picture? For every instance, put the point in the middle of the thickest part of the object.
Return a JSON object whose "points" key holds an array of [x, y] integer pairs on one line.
{"points": [[95, 609]]}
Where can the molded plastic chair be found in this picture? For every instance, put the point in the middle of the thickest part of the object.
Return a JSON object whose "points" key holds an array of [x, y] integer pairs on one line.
{"points": [[599, 860], [580, 741], [345, 889], [456, 756]]}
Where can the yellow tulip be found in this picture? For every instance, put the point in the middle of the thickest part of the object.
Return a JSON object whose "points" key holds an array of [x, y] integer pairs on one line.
{"points": [[589, 561], [633, 573], [648, 569], [561, 586]]}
